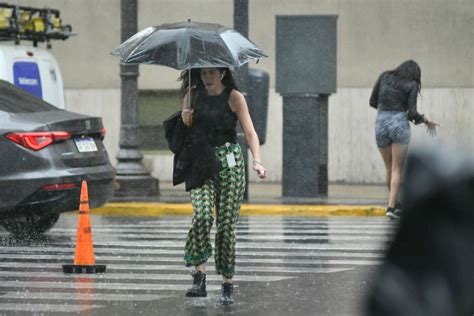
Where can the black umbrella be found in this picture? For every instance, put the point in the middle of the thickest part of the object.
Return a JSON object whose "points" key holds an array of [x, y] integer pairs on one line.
{"points": [[187, 45]]}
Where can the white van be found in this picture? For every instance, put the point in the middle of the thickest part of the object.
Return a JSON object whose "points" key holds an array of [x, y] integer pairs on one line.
{"points": [[34, 70]]}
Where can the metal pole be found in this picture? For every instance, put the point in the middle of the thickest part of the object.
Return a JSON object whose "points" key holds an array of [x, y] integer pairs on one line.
{"points": [[241, 24], [133, 179]]}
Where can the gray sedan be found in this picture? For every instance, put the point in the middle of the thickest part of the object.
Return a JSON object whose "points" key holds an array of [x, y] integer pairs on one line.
{"points": [[45, 153]]}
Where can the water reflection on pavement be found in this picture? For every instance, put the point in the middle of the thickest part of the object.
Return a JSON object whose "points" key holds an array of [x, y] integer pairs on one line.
{"points": [[285, 265]]}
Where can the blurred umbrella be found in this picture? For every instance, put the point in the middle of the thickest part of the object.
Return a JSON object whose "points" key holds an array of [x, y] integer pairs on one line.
{"points": [[187, 45]]}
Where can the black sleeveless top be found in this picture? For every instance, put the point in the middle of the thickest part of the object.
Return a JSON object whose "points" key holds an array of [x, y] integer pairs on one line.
{"points": [[213, 115]]}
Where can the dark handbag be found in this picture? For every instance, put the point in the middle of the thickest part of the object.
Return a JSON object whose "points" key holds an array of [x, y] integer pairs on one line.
{"points": [[175, 132]]}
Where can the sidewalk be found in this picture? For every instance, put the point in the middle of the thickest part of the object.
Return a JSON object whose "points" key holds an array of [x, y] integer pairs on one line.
{"points": [[264, 199]]}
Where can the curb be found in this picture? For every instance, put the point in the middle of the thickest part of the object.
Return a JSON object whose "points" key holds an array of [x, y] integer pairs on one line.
{"points": [[163, 209]]}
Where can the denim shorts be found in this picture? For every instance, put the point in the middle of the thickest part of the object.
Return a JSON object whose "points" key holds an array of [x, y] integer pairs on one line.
{"points": [[392, 128]]}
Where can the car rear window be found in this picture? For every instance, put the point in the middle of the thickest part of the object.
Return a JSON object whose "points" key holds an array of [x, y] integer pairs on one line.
{"points": [[17, 100]]}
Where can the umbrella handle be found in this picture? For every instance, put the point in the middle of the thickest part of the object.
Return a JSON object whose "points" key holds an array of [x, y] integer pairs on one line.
{"points": [[189, 88]]}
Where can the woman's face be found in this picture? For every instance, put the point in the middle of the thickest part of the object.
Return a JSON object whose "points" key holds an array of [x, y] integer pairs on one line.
{"points": [[211, 77]]}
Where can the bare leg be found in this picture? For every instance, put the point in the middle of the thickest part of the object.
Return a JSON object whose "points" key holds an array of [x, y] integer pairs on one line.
{"points": [[386, 153], [399, 153]]}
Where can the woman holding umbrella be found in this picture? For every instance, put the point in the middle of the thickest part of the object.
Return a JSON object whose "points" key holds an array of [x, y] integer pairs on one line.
{"points": [[211, 109], [210, 162]]}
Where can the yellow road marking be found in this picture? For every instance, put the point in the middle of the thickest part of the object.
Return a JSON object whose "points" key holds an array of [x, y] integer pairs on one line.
{"points": [[161, 209]]}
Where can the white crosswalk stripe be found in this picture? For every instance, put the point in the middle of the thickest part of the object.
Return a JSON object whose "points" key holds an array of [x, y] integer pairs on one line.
{"points": [[176, 260], [144, 259], [267, 237], [262, 231], [138, 276], [36, 309], [158, 251], [83, 296]]}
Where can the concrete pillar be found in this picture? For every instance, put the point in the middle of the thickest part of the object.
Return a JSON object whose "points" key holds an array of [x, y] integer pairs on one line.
{"points": [[305, 77]]}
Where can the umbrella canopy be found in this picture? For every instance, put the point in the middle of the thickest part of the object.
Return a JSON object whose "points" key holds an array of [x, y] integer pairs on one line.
{"points": [[186, 45]]}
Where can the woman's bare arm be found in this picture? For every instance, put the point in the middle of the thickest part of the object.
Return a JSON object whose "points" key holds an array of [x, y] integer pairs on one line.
{"points": [[239, 106]]}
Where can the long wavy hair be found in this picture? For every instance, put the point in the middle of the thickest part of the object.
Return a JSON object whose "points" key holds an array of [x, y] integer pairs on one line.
{"points": [[408, 71], [196, 81]]}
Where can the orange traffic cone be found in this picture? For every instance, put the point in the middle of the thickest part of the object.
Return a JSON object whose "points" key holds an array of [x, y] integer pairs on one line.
{"points": [[84, 261]]}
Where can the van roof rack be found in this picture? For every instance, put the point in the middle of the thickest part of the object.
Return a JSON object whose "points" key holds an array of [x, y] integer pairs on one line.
{"points": [[32, 24]]}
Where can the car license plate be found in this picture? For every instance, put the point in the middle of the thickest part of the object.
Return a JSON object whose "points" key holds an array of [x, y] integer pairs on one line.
{"points": [[85, 144]]}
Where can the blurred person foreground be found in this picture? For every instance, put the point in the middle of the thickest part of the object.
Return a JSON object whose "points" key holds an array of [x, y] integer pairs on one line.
{"points": [[428, 269]]}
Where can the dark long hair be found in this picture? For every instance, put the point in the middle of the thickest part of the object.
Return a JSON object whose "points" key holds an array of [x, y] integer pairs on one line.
{"points": [[196, 82], [408, 71]]}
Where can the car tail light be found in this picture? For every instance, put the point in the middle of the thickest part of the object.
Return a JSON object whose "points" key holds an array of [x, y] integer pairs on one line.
{"points": [[58, 186], [102, 133], [37, 140]]}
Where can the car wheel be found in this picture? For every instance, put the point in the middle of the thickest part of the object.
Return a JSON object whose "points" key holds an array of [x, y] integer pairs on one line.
{"points": [[31, 225]]}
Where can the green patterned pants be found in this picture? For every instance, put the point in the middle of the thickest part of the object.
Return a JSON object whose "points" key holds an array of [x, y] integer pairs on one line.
{"points": [[225, 194]]}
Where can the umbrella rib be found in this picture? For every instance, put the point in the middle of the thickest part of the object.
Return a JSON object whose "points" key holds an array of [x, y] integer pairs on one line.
{"points": [[134, 50], [178, 55], [229, 50], [140, 45]]}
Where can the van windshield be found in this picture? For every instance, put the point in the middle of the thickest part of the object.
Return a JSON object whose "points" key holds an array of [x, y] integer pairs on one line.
{"points": [[16, 100]]}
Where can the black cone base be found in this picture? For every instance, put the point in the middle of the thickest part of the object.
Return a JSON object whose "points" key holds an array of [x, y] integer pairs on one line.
{"points": [[72, 268]]}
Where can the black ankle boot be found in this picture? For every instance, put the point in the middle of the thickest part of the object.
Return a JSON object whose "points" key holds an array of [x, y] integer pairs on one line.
{"points": [[199, 285], [393, 213], [399, 206], [226, 292]]}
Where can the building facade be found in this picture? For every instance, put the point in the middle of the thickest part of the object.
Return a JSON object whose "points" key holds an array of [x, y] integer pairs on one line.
{"points": [[373, 36]]}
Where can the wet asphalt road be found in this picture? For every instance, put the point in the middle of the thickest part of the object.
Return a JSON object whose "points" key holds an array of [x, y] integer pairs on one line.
{"points": [[285, 266]]}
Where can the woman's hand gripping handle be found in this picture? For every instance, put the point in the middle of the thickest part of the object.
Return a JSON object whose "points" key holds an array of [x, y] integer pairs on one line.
{"points": [[187, 117]]}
